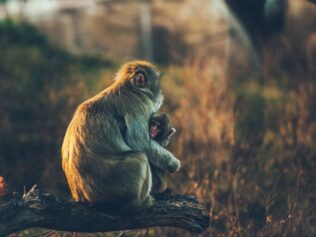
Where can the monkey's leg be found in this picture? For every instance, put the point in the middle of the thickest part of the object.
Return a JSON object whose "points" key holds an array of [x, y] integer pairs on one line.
{"points": [[137, 181], [158, 179], [121, 182]]}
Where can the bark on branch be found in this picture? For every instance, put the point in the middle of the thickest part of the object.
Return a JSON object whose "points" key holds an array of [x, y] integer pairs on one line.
{"points": [[36, 209]]}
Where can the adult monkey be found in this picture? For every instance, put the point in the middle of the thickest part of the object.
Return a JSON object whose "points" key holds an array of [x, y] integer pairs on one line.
{"points": [[107, 148]]}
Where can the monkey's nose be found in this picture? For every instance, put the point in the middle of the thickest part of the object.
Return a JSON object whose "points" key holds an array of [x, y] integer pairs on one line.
{"points": [[154, 131]]}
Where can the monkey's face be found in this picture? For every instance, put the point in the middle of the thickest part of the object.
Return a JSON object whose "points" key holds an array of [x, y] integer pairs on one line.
{"points": [[154, 129], [147, 81], [160, 127], [144, 78]]}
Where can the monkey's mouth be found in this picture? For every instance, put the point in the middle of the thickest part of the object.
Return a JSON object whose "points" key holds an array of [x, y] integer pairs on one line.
{"points": [[154, 130]]}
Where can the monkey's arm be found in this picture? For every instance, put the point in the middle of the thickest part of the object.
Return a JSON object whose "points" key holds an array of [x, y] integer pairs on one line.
{"points": [[137, 137], [160, 157]]}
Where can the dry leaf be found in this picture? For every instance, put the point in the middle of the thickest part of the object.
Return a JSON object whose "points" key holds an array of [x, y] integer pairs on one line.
{"points": [[3, 187]]}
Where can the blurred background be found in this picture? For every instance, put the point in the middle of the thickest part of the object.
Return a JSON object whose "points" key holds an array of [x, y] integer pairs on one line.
{"points": [[239, 83]]}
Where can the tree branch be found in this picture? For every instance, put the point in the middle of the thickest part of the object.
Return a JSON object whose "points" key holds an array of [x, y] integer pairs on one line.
{"points": [[35, 209]]}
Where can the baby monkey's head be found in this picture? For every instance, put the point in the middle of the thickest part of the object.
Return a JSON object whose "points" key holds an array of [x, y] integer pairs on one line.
{"points": [[160, 127]]}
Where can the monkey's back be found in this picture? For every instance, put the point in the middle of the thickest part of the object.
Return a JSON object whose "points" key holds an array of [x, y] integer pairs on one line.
{"points": [[92, 144]]}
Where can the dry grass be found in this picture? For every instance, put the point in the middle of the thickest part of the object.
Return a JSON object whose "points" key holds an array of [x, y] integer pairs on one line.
{"points": [[256, 180]]}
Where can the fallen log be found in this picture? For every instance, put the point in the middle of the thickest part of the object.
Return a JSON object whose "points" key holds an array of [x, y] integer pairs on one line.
{"points": [[36, 209]]}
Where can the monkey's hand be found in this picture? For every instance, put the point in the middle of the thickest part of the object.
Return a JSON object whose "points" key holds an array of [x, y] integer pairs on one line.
{"points": [[165, 142], [162, 158], [174, 165]]}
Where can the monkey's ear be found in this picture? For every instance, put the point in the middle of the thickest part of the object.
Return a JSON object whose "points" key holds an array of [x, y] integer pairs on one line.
{"points": [[139, 80]]}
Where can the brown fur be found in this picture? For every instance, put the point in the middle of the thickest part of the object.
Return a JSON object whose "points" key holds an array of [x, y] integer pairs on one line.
{"points": [[107, 150]]}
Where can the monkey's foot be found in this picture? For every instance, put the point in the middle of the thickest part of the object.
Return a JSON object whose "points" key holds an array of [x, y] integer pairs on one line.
{"points": [[163, 196], [168, 195]]}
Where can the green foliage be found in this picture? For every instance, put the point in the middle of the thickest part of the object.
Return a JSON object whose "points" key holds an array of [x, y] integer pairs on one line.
{"points": [[40, 87], [20, 33]]}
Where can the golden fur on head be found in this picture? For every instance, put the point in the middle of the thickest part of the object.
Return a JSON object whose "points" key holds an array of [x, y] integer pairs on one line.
{"points": [[128, 70]]}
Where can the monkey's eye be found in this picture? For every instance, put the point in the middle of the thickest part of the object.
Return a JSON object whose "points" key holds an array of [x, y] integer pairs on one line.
{"points": [[140, 80], [154, 123]]}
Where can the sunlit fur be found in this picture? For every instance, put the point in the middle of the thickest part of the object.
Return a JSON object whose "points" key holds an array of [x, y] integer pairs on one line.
{"points": [[102, 161]]}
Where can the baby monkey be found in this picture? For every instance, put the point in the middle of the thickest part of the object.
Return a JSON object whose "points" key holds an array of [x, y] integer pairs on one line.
{"points": [[160, 130]]}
